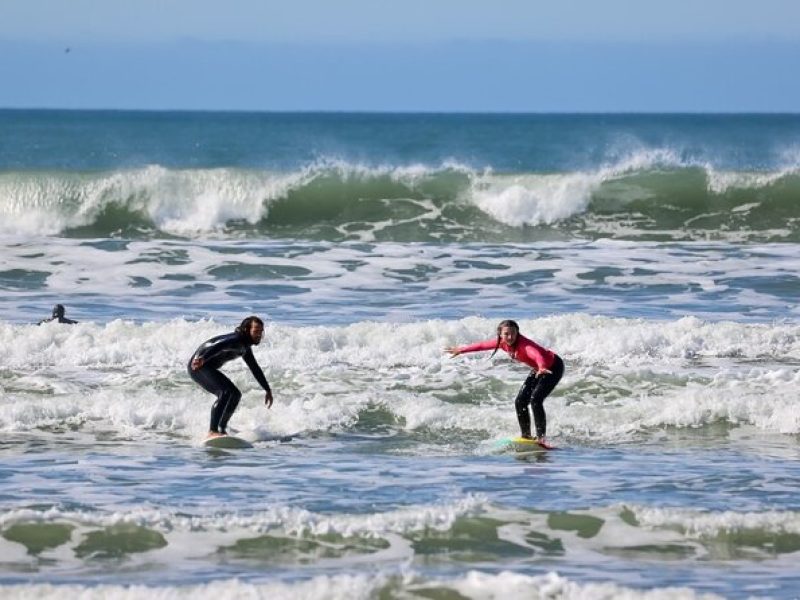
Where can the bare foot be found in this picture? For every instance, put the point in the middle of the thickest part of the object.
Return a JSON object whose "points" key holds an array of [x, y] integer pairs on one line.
{"points": [[214, 434]]}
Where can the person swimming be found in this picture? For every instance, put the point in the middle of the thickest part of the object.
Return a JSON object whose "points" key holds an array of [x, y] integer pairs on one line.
{"points": [[547, 370], [203, 368], [58, 316]]}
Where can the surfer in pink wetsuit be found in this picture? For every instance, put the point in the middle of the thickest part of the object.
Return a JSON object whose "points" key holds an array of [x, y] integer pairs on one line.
{"points": [[547, 370]]}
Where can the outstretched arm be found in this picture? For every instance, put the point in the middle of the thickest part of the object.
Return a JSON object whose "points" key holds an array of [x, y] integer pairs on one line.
{"points": [[255, 369], [476, 347]]}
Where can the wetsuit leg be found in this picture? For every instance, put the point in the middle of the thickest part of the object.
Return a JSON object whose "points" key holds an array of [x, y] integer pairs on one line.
{"points": [[521, 404], [545, 385], [230, 406], [228, 395]]}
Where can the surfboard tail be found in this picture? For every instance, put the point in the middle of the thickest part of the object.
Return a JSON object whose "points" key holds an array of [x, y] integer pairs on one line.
{"points": [[226, 441], [519, 444]]}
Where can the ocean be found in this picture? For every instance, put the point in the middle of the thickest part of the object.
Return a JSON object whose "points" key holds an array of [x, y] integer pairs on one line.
{"points": [[659, 255]]}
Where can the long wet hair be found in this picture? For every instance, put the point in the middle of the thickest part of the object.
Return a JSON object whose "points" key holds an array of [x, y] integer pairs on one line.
{"points": [[244, 327], [507, 323]]}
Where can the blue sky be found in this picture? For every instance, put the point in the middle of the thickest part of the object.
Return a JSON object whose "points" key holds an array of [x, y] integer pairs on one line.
{"points": [[432, 55]]}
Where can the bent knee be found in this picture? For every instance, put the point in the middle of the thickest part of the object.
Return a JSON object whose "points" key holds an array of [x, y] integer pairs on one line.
{"points": [[231, 395]]}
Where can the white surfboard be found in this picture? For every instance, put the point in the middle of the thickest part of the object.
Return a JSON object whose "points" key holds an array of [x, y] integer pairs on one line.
{"points": [[226, 441]]}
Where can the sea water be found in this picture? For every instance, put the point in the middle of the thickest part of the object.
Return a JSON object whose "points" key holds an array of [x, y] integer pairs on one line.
{"points": [[657, 254]]}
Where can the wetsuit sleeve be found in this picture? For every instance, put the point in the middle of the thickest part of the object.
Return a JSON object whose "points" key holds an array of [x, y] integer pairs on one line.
{"points": [[478, 346], [255, 369]]}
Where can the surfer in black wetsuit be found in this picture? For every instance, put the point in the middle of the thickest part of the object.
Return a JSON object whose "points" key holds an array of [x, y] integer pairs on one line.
{"points": [[58, 315], [204, 367]]}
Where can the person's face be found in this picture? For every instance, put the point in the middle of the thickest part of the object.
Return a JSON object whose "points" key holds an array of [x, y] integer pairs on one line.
{"points": [[508, 335], [256, 332]]}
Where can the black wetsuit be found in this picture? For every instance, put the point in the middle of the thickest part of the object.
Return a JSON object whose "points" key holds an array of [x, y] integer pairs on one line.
{"points": [[58, 320], [533, 392], [58, 315], [215, 353]]}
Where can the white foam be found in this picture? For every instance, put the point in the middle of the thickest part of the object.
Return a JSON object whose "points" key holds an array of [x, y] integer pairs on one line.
{"points": [[536, 199], [476, 585], [484, 586], [720, 182], [335, 587], [288, 520], [706, 524], [200, 201], [131, 378], [178, 201]]}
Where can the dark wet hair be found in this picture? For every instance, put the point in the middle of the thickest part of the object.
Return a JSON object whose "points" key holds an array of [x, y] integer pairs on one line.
{"points": [[506, 323], [244, 326], [58, 311]]}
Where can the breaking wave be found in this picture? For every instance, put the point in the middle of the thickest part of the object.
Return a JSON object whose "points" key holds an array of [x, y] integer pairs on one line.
{"points": [[651, 195]]}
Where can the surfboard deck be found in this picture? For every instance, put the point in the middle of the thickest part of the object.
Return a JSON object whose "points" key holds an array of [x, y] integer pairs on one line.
{"points": [[519, 444], [226, 441]]}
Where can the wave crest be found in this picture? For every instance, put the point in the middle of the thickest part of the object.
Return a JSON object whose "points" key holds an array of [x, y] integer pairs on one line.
{"points": [[648, 194]]}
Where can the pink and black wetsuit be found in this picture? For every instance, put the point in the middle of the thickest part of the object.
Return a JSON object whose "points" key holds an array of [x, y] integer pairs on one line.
{"points": [[536, 388]]}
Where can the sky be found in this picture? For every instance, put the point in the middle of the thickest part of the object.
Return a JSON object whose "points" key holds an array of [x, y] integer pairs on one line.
{"points": [[414, 55]]}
